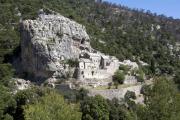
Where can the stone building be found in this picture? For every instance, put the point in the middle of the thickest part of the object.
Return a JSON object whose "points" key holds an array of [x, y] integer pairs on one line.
{"points": [[97, 66]]}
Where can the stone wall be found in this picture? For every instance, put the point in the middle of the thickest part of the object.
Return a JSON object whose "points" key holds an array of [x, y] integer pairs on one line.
{"points": [[115, 93], [130, 80]]}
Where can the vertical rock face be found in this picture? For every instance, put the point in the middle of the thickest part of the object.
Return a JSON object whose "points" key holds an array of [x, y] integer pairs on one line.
{"points": [[50, 40]]}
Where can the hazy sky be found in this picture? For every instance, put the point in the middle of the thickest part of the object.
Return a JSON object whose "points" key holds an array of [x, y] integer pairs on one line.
{"points": [[166, 7]]}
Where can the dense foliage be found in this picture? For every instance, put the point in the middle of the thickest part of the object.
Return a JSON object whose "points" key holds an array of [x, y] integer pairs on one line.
{"points": [[116, 30], [118, 77], [164, 106], [113, 29], [95, 108], [46, 109]]}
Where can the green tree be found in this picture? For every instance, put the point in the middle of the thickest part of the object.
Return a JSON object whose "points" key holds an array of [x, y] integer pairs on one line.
{"points": [[129, 98], [177, 79], [125, 68], [162, 102], [145, 90], [6, 74], [7, 104], [119, 77], [130, 95], [82, 94], [95, 108], [26, 97], [51, 107], [140, 75], [7, 101], [119, 111]]}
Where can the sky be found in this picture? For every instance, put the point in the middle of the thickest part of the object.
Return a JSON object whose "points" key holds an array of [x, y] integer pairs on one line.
{"points": [[170, 8]]}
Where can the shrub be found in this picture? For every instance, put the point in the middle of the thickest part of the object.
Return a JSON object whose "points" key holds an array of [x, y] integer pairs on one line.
{"points": [[119, 77]]}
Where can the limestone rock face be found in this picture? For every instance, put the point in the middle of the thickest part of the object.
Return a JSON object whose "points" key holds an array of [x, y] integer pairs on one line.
{"points": [[21, 84], [48, 41]]}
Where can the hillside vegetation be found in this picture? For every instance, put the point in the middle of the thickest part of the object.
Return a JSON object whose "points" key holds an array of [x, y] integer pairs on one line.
{"points": [[116, 30]]}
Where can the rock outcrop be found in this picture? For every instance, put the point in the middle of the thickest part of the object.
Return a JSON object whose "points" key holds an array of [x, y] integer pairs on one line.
{"points": [[48, 42], [21, 84], [51, 44]]}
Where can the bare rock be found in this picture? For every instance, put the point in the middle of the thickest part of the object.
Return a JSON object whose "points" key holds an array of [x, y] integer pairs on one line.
{"points": [[22, 84], [48, 41]]}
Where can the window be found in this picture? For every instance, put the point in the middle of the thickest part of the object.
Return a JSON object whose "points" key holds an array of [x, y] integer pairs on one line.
{"points": [[92, 73]]}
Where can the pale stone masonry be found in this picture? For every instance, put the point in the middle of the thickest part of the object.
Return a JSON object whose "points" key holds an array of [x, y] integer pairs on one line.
{"points": [[97, 66]]}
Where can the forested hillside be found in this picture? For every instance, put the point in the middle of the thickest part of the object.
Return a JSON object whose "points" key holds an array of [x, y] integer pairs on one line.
{"points": [[116, 30]]}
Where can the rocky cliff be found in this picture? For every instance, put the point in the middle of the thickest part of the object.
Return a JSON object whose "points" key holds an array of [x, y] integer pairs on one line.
{"points": [[48, 42]]}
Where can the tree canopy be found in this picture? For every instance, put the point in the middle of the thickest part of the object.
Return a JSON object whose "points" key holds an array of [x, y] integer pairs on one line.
{"points": [[51, 107]]}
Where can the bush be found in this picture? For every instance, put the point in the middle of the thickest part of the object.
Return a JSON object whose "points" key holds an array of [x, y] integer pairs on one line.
{"points": [[129, 95], [124, 68], [45, 109], [119, 77], [177, 78], [6, 74], [145, 89], [140, 76], [82, 94], [95, 108]]}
